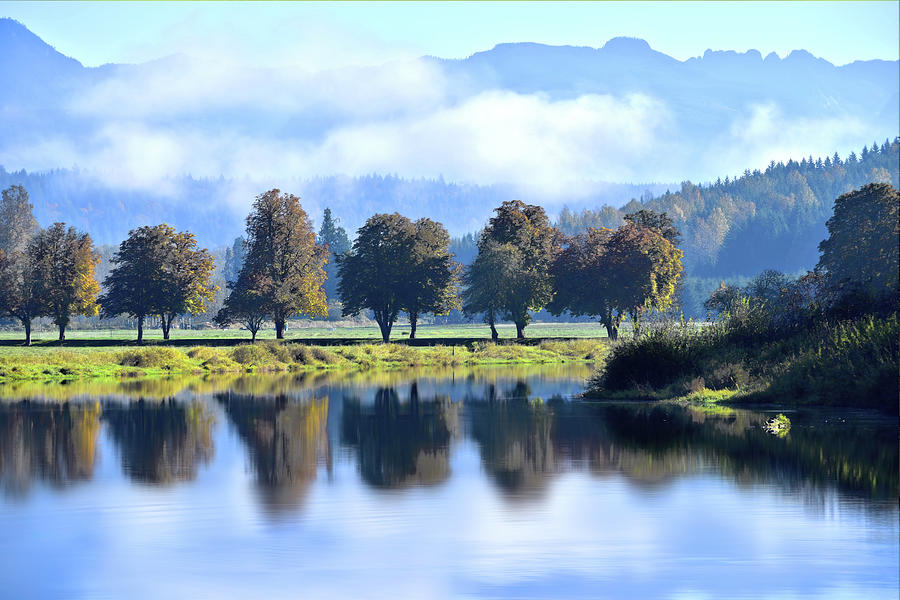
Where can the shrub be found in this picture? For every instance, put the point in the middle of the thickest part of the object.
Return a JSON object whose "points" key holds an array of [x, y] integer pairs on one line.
{"points": [[152, 357], [251, 354]]}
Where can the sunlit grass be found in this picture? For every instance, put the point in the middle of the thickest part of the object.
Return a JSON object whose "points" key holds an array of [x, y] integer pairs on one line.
{"points": [[46, 363]]}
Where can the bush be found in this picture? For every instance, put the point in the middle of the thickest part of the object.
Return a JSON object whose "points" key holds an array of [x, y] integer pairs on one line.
{"points": [[655, 360], [251, 354], [152, 357]]}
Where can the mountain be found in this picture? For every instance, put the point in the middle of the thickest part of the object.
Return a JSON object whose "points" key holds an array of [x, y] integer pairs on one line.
{"points": [[192, 141]]}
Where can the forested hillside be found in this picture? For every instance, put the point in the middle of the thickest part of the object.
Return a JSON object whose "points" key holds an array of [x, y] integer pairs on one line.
{"points": [[772, 219], [213, 209]]}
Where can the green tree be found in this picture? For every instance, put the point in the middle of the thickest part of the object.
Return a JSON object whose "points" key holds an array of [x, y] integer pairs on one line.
{"points": [[18, 290], [18, 298], [186, 280], [17, 222], [862, 246], [136, 284], [486, 281], [644, 268], [582, 280], [335, 237], [433, 283], [283, 261], [533, 244], [234, 260], [660, 222], [245, 304], [723, 298], [375, 273], [64, 261]]}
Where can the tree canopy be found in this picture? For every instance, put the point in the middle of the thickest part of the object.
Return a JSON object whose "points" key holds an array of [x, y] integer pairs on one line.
{"points": [[374, 274], [63, 261], [283, 263], [863, 238], [531, 244]]}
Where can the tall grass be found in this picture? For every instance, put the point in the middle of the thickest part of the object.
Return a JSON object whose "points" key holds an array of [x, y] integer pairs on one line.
{"points": [[851, 363]]}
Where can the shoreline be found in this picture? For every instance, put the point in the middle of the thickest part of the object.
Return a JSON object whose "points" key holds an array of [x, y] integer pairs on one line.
{"points": [[85, 362]]}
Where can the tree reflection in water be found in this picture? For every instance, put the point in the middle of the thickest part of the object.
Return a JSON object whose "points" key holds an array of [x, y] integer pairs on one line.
{"points": [[401, 440], [286, 440], [161, 442], [400, 443], [52, 442]]}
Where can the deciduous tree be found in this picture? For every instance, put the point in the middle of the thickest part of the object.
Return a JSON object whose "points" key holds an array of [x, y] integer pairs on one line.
{"points": [[533, 244], [283, 261], [374, 274], [136, 284], [433, 282], [63, 262]]}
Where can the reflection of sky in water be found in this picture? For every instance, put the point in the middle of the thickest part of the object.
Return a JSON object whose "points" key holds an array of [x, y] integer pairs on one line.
{"points": [[579, 533]]}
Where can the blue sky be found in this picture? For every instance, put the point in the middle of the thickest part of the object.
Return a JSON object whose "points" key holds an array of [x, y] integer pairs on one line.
{"points": [[360, 33]]}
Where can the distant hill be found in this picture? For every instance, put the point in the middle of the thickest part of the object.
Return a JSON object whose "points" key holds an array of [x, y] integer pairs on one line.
{"points": [[764, 219], [85, 132]]}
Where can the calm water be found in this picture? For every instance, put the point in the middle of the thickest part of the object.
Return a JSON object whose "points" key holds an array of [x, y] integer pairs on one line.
{"points": [[493, 483]]}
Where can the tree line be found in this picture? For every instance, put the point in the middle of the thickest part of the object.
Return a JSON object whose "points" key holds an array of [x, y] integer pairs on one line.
{"points": [[281, 269]]}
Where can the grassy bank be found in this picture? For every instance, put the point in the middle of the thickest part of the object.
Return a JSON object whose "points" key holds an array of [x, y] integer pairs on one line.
{"points": [[49, 364], [847, 363], [307, 332]]}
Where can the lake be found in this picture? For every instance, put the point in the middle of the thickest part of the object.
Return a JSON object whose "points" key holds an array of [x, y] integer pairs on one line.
{"points": [[486, 483]]}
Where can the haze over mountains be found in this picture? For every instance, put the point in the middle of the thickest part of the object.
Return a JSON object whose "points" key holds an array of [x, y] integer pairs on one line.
{"points": [[191, 142]]}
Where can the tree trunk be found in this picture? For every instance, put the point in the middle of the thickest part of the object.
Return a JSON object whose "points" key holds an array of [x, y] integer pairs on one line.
{"points": [[635, 325], [279, 329], [494, 335], [612, 327], [62, 332], [385, 326], [253, 336], [413, 321], [520, 330], [166, 323], [27, 324], [140, 321]]}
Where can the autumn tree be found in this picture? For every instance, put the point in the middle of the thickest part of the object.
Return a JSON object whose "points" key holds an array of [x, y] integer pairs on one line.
{"points": [[862, 246], [660, 222], [63, 262], [136, 286], [283, 263], [532, 246], [433, 276], [375, 273], [186, 279], [582, 280], [643, 268], [18, 297], [335, 238]]}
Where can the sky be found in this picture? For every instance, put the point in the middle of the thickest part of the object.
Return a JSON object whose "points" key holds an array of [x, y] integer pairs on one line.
{"points": [[277, 33], [220, 113]]}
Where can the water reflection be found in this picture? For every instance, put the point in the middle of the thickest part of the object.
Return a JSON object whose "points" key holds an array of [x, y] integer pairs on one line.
{"points": [[161, 442], [397, 442], [401, 433], [53, 443], [286, 440]]}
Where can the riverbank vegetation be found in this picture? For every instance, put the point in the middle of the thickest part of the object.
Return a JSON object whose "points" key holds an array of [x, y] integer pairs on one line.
{"points": [[829, 337], [53, 364]]}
